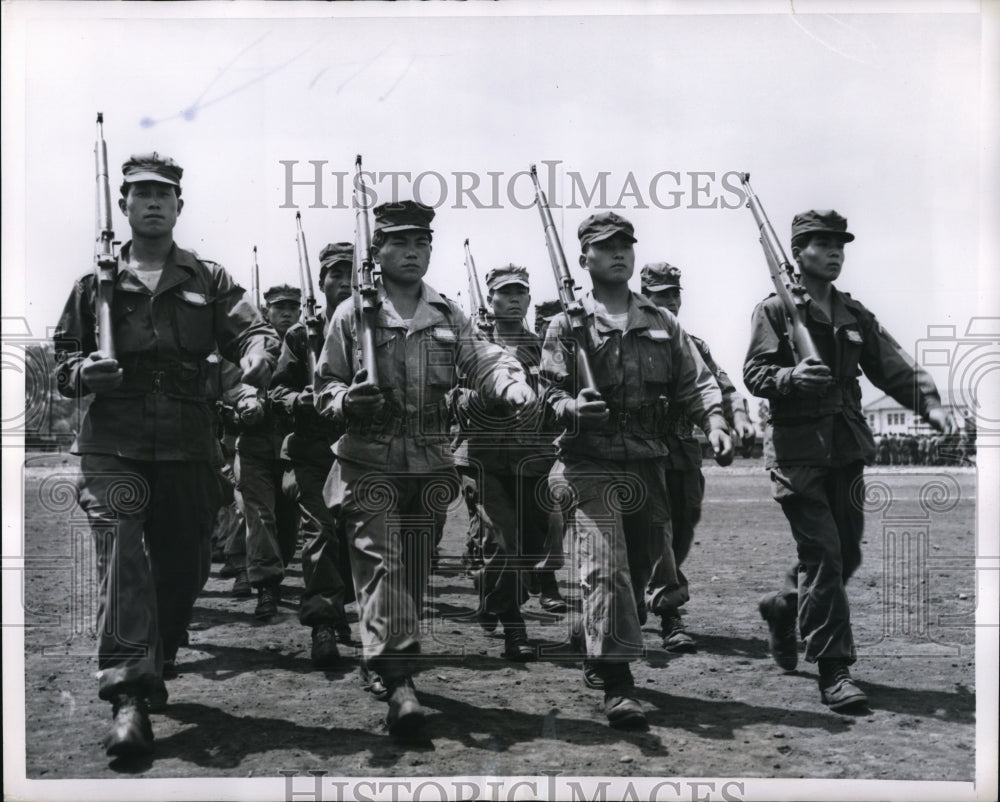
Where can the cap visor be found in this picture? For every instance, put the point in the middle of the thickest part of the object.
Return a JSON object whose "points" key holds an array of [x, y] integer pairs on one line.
{"points": [[135, 178], [660, 287], [506, 282], [391, 229], [609, 235]]}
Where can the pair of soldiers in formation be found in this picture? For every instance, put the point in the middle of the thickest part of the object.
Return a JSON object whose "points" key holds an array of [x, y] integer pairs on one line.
{"points": [[150, 430]]}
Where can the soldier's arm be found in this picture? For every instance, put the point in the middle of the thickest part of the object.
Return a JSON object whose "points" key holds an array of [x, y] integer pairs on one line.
{"points": [[697, 390], [557, 370], [75, 338], [894, 372], [767, 369], [335, 366], [488, 368], [732, 401], [290, 377], [240, 330], [232, 384]]}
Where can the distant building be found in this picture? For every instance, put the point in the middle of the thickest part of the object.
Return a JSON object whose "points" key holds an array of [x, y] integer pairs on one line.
{"points": [[888, 416]]}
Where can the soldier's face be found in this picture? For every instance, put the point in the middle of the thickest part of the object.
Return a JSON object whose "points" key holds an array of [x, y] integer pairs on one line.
{"points": [[283, 314], [822, 257], [337, 284], [667, 299], [152, 208], [510, 302], [404, 256], [611, 260]]}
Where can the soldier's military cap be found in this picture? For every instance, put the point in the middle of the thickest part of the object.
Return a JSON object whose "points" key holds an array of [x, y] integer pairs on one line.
{"points": [[507, 274], [333, 254], [151, 167], [825, 221], [601, 226], [283, 292], [403, 216], [658, 276], [547, 309]]}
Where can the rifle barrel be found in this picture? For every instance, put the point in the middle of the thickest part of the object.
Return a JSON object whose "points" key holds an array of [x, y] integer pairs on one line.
{"points": [[782, 275], [363, 281], [105, 260], [567, 298]]}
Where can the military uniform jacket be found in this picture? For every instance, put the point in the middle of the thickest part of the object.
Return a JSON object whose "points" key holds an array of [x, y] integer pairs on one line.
{"points": [[636, 371], [829, 429], [685, 449], [312, 435], [417, 365], [160, 411], [492, 438]]}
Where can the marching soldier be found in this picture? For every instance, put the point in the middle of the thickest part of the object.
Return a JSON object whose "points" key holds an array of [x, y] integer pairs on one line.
{"points": [[147, 440], [501, 468], [306, 452], [395, 461], [269, 508], [609, 471], [661, 283], [544, 312], [821, 445]]}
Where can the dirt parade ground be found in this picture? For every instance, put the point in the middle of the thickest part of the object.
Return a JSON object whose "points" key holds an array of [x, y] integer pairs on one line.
{"points": [[248, 703]]}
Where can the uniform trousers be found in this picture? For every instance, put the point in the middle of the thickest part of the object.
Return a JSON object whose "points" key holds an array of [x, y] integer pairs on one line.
{"points": [[617, 517], [152, 526], [823, 507], [325, 561], [514, 537], [668, 587], [389, 522], [271, 517]]}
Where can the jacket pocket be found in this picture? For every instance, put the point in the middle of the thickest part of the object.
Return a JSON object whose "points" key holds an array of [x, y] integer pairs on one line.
{"points": [[439, 354], [654, 357], [194, 313]]}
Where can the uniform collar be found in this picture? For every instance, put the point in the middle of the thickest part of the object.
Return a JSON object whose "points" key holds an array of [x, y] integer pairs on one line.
{"points": [[178, 267], [640, 312], [431, 309]]}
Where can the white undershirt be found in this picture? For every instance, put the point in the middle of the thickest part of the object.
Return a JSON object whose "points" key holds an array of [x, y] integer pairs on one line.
{"points": [[618, 321], [147, 272]]}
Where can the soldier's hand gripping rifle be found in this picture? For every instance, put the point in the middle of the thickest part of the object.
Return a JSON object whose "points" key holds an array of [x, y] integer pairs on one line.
{"points": [[786, 284], [314, 326], [363, 278], [480, 314], [105, 256], [255, 280], [567, 299]]}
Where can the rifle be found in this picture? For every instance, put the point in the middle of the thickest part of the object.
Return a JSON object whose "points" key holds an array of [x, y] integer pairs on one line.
{"points": [[363, 278], [255, 279], [105, 256], [786, 283], [477, 304], [314, 325], [572, 307]]}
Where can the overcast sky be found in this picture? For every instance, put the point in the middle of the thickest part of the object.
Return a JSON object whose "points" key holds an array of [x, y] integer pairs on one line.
{"points": [[875, 115]]}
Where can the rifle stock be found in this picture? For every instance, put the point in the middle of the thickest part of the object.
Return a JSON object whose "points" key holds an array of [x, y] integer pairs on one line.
{"points": [[313, 325], [105, 256], [783, 276], [363, 278], [480, 314], [571, 306]]}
